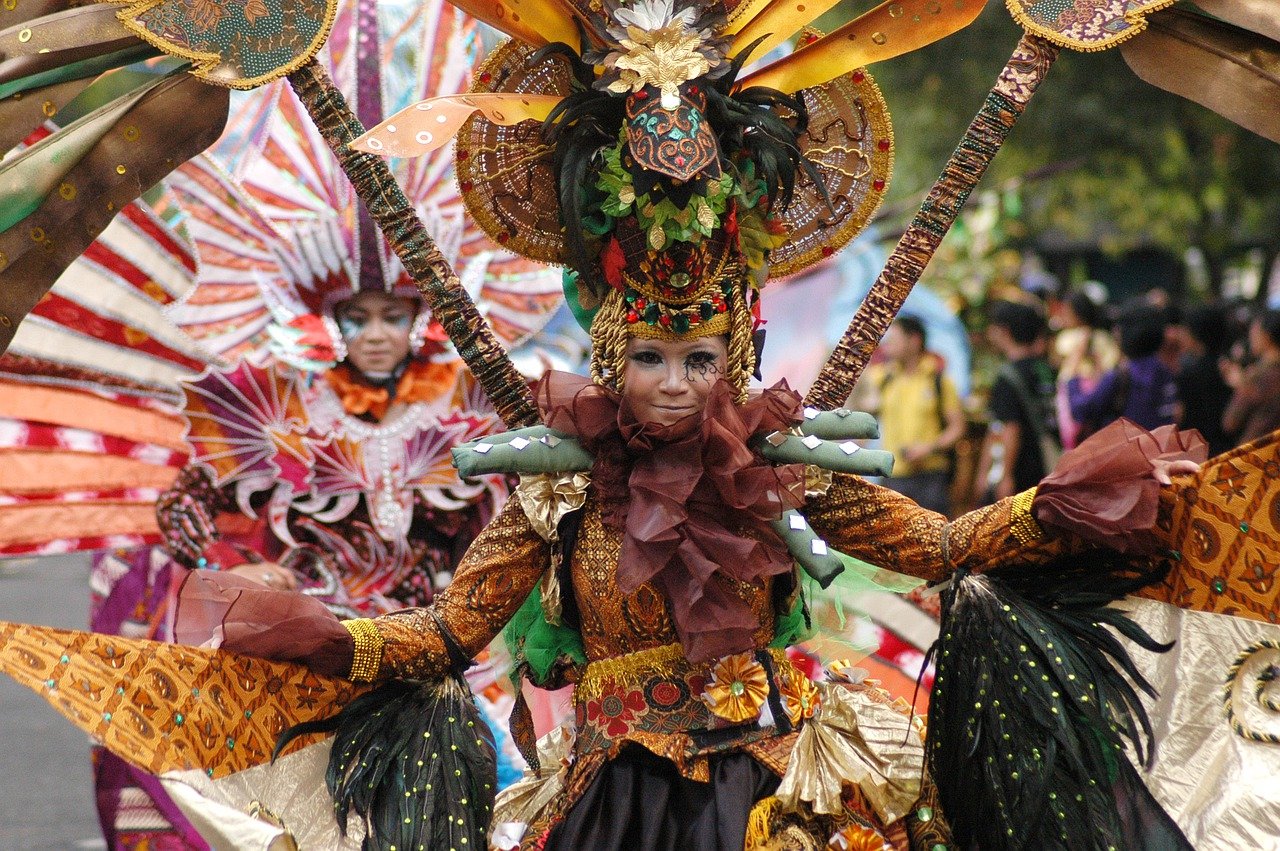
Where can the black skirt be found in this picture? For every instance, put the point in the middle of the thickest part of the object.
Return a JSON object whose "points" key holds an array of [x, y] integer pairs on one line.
{"points": [[640, 801]]}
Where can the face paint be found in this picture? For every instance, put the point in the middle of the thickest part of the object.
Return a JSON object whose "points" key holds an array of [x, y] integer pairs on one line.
{"points": [[350, 326]]}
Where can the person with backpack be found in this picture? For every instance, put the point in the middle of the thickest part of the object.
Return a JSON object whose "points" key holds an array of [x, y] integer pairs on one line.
{"points": [[920, 415], [1024, 428], [1141, 388]]}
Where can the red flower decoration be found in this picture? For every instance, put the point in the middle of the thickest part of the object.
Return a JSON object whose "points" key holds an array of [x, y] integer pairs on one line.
{"points": [[613, 262], [315, 342], [730, 223], [615, 712]]}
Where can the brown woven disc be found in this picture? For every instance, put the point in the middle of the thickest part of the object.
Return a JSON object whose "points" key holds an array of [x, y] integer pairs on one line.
{"points": [[505, 173], [850, 140]]}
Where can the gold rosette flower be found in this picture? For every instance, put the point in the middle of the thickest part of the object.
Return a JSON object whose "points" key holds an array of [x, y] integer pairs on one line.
{"points": [[855, 837], [799, 696], [739, 687], [664, 59]]}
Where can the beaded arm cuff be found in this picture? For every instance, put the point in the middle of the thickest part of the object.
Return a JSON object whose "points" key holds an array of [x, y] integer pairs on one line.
{"points": [[1023, 526], [368, 654]]}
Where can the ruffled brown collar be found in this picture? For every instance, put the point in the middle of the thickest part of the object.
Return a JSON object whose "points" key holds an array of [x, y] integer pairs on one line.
{"points": [[692, 500]]}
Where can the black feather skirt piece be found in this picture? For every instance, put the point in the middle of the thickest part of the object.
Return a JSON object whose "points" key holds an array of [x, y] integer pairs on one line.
{"points": [[415, 761], [1033, 703]]}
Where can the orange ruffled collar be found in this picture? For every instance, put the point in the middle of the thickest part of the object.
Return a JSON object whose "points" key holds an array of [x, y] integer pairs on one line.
{"points": [[422, 381]]}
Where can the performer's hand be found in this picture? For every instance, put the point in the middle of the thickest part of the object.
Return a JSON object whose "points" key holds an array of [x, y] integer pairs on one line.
{"points": [[915, 451], [1164, 471], [269, 574], [1004, 489]]}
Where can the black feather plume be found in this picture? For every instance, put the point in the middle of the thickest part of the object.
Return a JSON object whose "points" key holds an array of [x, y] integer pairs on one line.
{"points": [[415, 761], [1032, 705]]}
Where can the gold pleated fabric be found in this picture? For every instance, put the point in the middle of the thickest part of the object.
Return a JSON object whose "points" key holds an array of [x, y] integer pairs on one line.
{"points": [[857, 737]]}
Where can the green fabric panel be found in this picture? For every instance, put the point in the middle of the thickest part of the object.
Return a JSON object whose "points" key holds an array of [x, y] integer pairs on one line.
{"points": [[570, 284], [530, 639], [828, 455], [840, 424]]}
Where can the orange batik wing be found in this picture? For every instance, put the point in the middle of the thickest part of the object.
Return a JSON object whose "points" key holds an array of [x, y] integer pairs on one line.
{"points": [[168, 707]]}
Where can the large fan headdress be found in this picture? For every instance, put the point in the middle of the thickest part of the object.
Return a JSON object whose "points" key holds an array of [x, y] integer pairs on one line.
{"points": [[623, 140], [280, 232]]}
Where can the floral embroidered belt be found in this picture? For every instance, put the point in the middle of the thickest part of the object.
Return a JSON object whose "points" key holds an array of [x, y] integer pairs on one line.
{"points": [[660, 699]]}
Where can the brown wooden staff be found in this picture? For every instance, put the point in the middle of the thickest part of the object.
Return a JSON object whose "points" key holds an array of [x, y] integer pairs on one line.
{"points": [[990, 127]]}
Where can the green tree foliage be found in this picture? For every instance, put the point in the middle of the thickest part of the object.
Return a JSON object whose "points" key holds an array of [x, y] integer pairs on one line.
{"points": [[1102, 158]]}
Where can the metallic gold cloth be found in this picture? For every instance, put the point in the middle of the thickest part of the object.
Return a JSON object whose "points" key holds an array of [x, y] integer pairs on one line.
{"points": [[229, 812], [1222, 789], [547, 497], [890, 29], [534, 22], [168, 707], [856, 737], [520, 804]]}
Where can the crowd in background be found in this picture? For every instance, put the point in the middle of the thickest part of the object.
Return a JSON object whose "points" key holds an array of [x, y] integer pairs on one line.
{"points": [[1065, 368]]}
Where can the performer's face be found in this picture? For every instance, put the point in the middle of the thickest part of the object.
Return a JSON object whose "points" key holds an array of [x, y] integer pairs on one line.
{"points": [[375, 327], [667, 380]]}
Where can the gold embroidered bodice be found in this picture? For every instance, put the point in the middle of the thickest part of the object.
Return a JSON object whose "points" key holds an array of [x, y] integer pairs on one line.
{"points": [[508, 559]]}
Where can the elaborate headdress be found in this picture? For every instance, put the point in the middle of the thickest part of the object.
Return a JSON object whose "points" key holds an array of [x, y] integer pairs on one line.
{"points": [[281, 236], [671, 185]]}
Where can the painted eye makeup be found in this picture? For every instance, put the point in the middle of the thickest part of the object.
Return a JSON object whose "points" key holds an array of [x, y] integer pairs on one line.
{"points": [[352, 326], [399, 321]]}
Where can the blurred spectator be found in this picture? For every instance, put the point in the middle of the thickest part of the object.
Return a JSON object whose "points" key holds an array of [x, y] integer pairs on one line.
{"points": [[920, 415], [1024, 432], [1084, 350], [1141, 388], [1202, 390], [1254, 409]]}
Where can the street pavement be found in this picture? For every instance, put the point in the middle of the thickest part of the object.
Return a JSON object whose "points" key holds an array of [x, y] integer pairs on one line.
{"points": [[46, 788]]}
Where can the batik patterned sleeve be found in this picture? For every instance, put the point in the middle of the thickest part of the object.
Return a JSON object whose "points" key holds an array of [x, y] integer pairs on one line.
{"points": [[883, 527], [501, 567]]}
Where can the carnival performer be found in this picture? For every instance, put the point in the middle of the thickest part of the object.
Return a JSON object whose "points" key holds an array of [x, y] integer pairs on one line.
{"points": [[650, 555], [327, 398]]}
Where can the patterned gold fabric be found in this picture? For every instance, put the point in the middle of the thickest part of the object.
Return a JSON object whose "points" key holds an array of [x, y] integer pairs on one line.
{"points": [[168, 707], [1224, 527], [509, 558], [501, 567], [888, 530]]}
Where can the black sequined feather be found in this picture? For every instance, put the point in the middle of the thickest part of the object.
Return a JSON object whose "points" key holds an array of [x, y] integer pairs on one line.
{"points": [[1032, 705], [415, 761]]}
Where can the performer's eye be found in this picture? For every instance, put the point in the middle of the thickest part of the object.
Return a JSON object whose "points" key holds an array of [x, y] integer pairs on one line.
{"points": [[397, 320], [647, 357], [701, 357], [351, 326]]}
